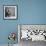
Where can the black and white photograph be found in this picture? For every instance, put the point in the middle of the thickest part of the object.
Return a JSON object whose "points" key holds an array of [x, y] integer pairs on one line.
{"points": [[10, 12], [33, 32]]}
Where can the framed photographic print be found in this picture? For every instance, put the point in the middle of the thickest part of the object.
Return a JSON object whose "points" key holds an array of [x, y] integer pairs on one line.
{"points": [[10, 12], [33, 32]]}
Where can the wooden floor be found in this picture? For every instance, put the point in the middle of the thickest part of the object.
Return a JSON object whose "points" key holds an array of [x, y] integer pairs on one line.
{"points": [[30, 43]]}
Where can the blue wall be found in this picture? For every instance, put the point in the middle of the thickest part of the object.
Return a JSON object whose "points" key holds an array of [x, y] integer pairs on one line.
{"points": [[29, 12], [33, 12]]}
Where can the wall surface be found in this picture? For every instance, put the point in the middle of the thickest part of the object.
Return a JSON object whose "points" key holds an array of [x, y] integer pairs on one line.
{"points": [[7, 26], [29, 12]]}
